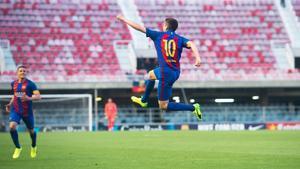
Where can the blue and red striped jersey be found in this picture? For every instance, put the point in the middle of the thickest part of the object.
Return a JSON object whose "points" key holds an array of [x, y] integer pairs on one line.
{"points": [[168, 47], [19, 89]]}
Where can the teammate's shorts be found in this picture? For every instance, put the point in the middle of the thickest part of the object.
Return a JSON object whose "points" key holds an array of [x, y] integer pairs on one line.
{"points": [[28, 119]]}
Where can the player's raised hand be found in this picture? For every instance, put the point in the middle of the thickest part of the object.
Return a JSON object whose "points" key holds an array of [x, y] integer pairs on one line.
{"points": [[120, 17], [197, 62], [134, 25], [7, 108], [25, 98]]}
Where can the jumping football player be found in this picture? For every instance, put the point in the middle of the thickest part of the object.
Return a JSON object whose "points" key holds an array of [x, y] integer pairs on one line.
{"points": [[169, 46]]}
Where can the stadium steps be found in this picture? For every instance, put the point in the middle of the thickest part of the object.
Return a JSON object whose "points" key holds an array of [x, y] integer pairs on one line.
{"points": [[285, 60], [129, 11], [289, 19], [7, 61], [125, 55]]}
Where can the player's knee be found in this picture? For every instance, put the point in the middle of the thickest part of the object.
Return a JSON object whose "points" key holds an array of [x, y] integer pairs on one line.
{"points": [[151, 75], [31, 131], [147, 76], [12, 127], [163, 106]]}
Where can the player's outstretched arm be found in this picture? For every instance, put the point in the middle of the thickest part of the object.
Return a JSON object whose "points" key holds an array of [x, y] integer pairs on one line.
{"points": [[132, 24], [195, 53]]}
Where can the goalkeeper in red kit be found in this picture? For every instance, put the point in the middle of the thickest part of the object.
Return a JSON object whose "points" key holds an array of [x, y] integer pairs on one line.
{"points": [[111, 112]]}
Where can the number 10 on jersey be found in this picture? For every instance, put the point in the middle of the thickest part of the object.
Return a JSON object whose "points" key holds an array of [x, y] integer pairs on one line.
{"points": [[170, 47]]}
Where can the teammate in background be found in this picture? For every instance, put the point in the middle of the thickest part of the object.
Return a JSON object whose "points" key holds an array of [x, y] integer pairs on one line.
{"points": [[20, 107], [111, 112], [169, 46]]}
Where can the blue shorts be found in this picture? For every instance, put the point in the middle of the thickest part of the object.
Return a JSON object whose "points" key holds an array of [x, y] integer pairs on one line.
{"points": [[166, 77], [28, 120]]}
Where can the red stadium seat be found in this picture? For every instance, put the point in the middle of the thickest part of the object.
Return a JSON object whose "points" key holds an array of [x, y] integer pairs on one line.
{"points": [[60, 35], [230, 30], [232, 35]]}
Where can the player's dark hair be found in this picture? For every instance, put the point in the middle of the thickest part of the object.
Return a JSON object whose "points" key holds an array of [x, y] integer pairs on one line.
{"points": [[172, 24], [21, 66]]}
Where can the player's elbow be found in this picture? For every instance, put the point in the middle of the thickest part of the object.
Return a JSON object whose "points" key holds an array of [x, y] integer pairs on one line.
{"points": [[142, 29], [192, 45], [37, 97]]}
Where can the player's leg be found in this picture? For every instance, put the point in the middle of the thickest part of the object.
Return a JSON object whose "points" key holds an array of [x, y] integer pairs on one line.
{"points": [[14, 121], [29, 122], [165, 92], [14, 133], [173, 106], [150, 82], [108, 123], [111, 123]]}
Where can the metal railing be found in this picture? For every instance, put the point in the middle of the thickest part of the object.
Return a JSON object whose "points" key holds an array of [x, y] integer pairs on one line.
{"points": [[211, 114], [77, 118]]}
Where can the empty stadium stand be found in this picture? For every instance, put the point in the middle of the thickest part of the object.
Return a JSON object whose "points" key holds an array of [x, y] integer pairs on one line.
{"points": [[63, 40], [234, 37]]}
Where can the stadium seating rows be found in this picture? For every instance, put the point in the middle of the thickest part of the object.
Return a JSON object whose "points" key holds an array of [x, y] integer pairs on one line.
{"points": [[73, 40], [63, 38], [231, 36]]}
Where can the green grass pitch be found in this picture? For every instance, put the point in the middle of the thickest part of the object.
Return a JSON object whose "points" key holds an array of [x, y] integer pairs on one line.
{"points": [[156, 150]]}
